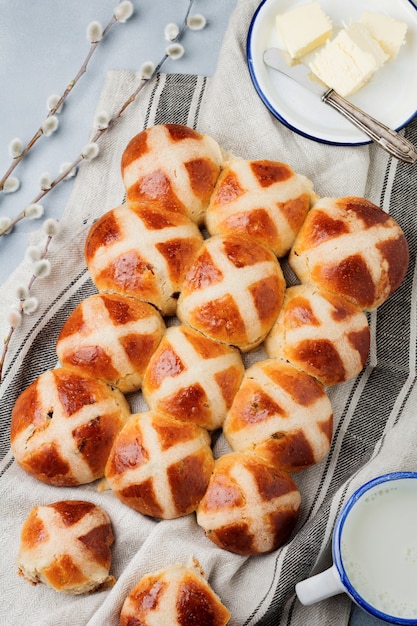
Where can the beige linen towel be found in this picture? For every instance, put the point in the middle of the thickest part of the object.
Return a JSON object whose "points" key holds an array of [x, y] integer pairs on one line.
{"points": [[375, 418]]}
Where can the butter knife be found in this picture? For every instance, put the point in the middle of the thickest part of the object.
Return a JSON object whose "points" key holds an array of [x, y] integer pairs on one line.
{"points": [[388, 139]]}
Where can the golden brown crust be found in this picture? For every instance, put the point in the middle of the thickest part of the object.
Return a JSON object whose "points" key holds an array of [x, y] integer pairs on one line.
{"points": [[66, 545], [146, 255], [250, 507], [231, 294], [63, 426], [233, 291], [322, 333], [281, 414], [111, 337], [352, 247], [173, 167], [265, 200], [192, 378], [178, 595], [160, 466]]}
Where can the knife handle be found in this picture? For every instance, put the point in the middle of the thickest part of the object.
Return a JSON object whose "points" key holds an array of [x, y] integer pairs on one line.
{"points": [[385, 137]]}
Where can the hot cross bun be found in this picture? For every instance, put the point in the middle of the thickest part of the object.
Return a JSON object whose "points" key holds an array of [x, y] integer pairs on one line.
{"points": [[250, 507], [142, 252], [192, 378], [172, 166], [160, 466], [177, 595], [233, 291], [63, 426], [281, 414], [66, 545], [265, 200], [111, 337], [322, 333], [352, 247]]}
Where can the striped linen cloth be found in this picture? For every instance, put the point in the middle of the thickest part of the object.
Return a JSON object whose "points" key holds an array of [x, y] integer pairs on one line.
{"points": [[375, 427]]}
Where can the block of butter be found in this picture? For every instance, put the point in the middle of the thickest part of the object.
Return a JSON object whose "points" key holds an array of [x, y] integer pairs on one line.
{"points": [[389, 32], [303, 28], [348, 61]]}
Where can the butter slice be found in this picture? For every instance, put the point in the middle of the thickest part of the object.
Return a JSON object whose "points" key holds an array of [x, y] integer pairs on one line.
{"points": [[303, 28], [389, 33], [348, 61]]}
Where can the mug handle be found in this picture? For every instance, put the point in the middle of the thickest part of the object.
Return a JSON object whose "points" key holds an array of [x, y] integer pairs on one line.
{"points": [[319, 587]]}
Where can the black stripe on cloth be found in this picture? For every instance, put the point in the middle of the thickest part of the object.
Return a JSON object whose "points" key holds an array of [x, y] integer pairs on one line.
{"points": [[6, 467], [175, 99], [151, 99], [375, 407], [199, 101], [41, 354]]}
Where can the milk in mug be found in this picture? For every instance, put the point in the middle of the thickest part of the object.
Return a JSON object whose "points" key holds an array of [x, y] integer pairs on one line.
{"points": [[378, 544]]}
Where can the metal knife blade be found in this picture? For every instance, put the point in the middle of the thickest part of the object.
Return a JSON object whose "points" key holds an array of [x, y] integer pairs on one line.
{"points": [[300, 73], [385, 137]]}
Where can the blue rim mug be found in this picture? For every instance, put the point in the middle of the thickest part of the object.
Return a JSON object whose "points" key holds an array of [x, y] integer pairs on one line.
{"points": [[374, 548]]}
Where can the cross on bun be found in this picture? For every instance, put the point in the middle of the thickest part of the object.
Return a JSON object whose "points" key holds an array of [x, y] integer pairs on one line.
{"points": [[250, 507], [352, 247], [111, 337], [66, 545], [160, 466], [233, 291], [148, 258], [322, 333], [281, 414], [192, 378], [138, 251], [172, 166], [177, 595], [63, 426], [265, 200]]}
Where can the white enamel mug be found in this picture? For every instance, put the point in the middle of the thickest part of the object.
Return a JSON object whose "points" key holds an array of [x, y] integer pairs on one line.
{"points": [[374, 551]]}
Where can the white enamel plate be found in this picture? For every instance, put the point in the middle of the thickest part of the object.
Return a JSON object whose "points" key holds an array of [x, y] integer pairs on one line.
{"points": [[390, 96]]}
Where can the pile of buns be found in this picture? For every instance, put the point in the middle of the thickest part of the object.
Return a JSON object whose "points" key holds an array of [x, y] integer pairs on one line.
{"points": [[189, 273]]}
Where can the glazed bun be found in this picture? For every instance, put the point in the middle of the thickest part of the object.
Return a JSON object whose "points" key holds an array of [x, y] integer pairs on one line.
{"points": [[63, 426], [111, 337], [66, 545], [265, 200], [192, 377], [160, 466], [321, 333], [177, 595], [352, 247], [142, 252], [233, 291], [250, 507], [282, 415], [172, 166]]}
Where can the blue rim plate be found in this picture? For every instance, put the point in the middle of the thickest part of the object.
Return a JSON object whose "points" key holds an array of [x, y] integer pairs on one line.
{"points": [[390, 96], [337, 539]]}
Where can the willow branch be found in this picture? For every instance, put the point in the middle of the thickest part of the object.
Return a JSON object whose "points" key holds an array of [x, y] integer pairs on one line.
{"points": [[95, 139], [12, 329], [57, 106]]}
